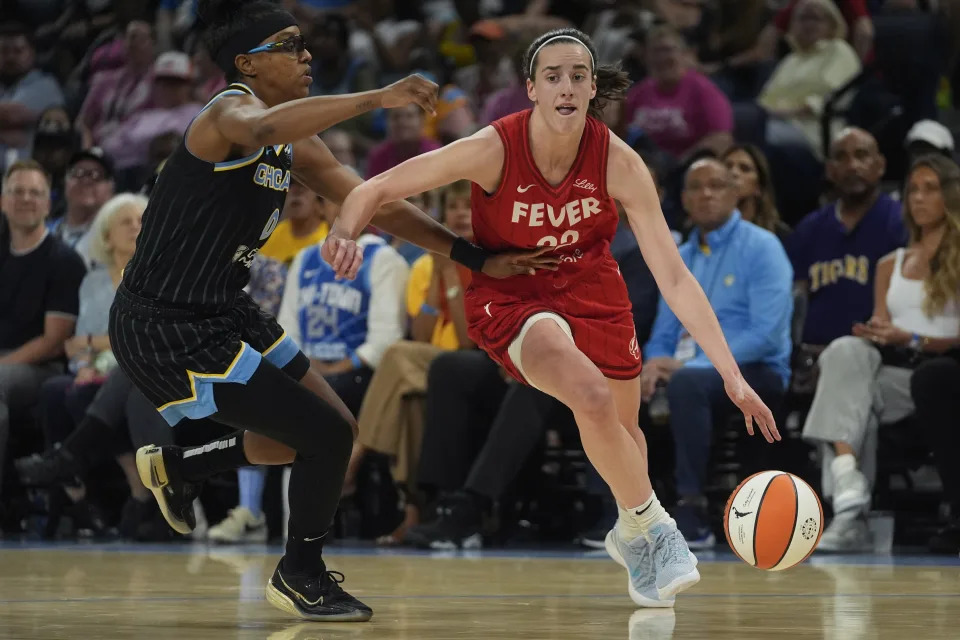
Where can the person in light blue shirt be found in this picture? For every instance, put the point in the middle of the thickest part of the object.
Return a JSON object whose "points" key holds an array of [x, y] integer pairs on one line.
{"points": [[745, 273]]}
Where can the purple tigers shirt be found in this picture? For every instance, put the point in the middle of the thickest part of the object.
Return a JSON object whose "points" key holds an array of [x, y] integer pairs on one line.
{"points": [[839, 265]]}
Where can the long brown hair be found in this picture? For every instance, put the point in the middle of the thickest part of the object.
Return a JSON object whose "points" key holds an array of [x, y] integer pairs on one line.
{"points": [[612, 83], [765, 203], [943, 283]]}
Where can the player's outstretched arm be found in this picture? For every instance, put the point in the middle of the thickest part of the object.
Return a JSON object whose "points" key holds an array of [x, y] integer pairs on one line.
{"points": [[478, 158], [316, 168], [629, 181], [246, 121]]}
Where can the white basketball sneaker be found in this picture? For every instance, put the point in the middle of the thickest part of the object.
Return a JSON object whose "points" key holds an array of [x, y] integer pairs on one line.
{"points": [[675, 564], [240, 526], [636, 556]]}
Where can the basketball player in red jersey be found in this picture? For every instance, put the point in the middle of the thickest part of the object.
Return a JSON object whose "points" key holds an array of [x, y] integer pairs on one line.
{"points": [[548, 177]]}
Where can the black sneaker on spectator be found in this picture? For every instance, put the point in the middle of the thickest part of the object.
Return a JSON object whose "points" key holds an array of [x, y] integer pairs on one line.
{"points": [[457, 525], [947, 540], [691, 517], [42, 470]]}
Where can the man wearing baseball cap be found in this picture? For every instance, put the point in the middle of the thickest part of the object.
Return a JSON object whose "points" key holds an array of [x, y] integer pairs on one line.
{"points": [[173, 110], [89, 184], [928, 136]]}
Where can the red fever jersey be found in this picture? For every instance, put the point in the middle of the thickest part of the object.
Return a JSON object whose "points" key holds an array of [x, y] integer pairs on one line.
{"points": [[579, 218]]}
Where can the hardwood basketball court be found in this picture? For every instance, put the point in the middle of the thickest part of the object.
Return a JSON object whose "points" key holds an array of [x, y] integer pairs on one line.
{"points": [[192, 592]]}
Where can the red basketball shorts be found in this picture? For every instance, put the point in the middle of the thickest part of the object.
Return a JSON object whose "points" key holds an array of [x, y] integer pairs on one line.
{"points": [[594, 306]]}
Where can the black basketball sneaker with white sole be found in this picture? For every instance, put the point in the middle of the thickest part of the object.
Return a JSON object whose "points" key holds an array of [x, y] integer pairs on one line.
{"points": [[159, 469], [317, 597]]}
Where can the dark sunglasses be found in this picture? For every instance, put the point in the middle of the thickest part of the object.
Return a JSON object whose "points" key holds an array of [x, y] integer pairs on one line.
{"points": [[293, 44]]}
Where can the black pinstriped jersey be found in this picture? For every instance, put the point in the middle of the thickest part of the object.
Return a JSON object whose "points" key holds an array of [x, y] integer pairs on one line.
{"points": [[206, 222]]}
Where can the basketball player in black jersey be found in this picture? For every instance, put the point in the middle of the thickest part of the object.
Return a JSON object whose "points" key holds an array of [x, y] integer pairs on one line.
{"points": [[198, 347]]}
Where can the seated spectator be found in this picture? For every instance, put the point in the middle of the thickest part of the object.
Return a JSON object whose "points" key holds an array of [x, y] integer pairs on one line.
{"points": [[926, 137], [856, 16], [172, 111], [404, 140], [935, 390], [88, 186], [756, 200], [336, 70], [39, 280], [54, 143], [391, 416], [834, 250], [64, 398], [175, 19], [510, 99], [113, 240], [746, 275], [341, 146], [865, 378], [344, 327], [117, 94], [678, 108], [25, 92], [117, 422], [493, 69], [209, 80], [454, 118], [821, 62], [735, 56], [481, 426]]}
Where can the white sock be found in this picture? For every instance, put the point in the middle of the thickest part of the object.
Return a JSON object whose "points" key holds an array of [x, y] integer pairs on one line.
{"points": [[636, 521], [842, 464]]}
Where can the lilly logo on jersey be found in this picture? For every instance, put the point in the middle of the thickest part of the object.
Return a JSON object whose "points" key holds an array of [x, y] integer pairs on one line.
{"points": [[271, 177], [585, 184]]}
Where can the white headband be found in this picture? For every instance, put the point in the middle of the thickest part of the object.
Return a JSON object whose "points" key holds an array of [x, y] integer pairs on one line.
{"points": [[533, 58]]}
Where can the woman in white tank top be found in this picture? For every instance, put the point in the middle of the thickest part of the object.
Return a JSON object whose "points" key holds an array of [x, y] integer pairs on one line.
{"points": [[865, 378]]}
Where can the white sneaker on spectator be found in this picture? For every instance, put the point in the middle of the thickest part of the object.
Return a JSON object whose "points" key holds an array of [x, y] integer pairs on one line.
{"points": [[199, 532], [239, 526], [848, 533], [851, 491]]}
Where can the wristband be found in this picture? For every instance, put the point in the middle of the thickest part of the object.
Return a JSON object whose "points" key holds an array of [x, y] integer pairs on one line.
{"points": [[356, 361], [468, 254], [429, 310]]}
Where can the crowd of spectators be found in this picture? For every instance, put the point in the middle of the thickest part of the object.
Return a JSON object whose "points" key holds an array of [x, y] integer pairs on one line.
{"points": [[810, 182]]}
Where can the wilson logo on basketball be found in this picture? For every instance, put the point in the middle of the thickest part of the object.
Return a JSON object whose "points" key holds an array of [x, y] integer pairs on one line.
{"points": [[785, 524]]}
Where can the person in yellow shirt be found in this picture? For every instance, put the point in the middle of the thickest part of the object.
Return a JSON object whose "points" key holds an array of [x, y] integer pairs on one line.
{"points": [[391, 417]]}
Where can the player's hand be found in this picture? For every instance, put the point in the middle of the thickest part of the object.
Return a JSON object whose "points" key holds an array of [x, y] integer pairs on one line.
{"points": [[342, 254], [513, 263], [413, 89], [753, 408]]}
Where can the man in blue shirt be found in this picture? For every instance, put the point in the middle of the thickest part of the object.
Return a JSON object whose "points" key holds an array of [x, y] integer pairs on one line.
{"points": [[745, 273]]}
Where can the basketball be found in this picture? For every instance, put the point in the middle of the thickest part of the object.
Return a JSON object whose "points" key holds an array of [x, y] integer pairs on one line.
{"points": [[773, 520]]}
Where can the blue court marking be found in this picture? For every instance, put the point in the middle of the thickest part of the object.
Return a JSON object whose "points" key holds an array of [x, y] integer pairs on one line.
{"points": [[561, 553]]}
